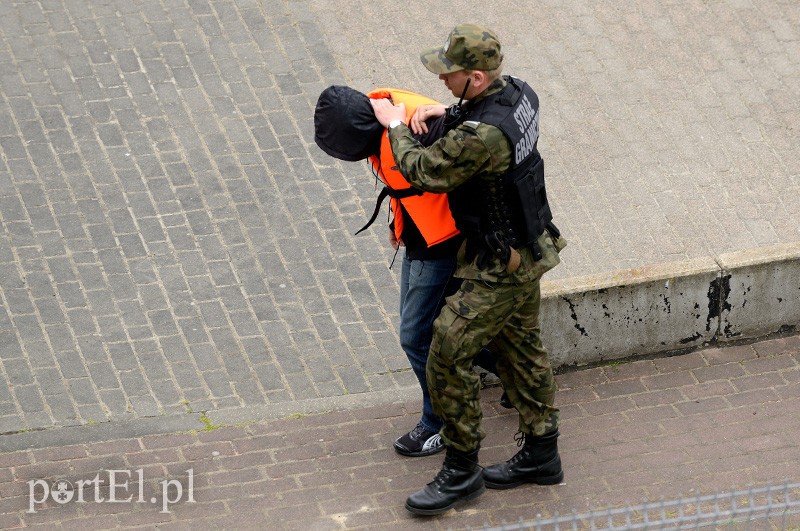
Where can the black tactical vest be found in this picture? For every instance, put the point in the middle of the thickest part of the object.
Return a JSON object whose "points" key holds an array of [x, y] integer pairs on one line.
{"points": [[514, 204]]}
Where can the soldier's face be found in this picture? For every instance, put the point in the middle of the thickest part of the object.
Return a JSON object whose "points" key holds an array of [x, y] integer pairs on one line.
{"points": [[455, 81]]}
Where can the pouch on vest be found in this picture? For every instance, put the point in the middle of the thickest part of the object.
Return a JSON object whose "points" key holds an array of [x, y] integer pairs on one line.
{"points": [[535, 209]]}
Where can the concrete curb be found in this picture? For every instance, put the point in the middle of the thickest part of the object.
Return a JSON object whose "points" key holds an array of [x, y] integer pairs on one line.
{"points": [[673, 306], [193, 422]]}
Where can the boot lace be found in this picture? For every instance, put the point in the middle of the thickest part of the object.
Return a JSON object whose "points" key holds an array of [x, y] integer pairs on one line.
{"points": [[448, 469], [442, 477], [519, 437]]}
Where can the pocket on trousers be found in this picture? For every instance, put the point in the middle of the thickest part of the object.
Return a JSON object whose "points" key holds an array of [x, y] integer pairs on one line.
{"points": [[449, 329], [459, 306]]}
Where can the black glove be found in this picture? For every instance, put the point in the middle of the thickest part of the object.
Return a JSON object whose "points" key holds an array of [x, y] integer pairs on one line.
{"points": [[484, 257], [482, 249], [476, 248], [498, 244]]}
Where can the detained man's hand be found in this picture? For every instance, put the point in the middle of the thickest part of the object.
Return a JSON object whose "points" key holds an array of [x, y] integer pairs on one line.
{"points": [[393, 241], [385, 111], [422, 114]]}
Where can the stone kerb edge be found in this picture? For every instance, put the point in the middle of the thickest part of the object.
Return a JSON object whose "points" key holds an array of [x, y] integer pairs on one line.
{"points": [[671, 307]]}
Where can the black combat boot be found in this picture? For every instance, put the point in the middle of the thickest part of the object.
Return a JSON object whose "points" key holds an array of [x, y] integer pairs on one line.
{"points": [[459, 480], [537, 462]]}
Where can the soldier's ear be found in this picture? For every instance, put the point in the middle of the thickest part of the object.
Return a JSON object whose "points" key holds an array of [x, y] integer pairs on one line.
{"points": [[479, 78]]}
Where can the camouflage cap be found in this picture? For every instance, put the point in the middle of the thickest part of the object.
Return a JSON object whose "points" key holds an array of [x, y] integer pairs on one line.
{"points": [[469, 47]]}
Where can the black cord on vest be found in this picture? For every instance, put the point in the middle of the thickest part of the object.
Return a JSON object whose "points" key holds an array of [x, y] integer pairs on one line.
{"points": [[375, 171], [455, 113], [395, 255]]}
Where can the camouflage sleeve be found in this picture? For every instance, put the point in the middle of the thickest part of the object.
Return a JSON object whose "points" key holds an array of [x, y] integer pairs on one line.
{"points": [[448, 163]]}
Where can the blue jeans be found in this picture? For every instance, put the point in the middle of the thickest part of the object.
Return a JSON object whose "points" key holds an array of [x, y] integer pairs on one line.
{"points": [[423, 286]]}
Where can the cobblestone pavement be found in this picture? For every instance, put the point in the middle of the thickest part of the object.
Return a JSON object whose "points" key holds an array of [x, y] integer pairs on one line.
{"points": [[713, 421], [169, 242], [173, 241]]}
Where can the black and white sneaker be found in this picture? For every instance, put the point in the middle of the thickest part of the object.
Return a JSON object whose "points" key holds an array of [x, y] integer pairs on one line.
{"points": [[419, 442]]}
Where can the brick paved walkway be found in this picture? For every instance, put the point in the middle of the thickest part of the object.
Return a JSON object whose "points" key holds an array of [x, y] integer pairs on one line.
{"points": [[713, 421]]}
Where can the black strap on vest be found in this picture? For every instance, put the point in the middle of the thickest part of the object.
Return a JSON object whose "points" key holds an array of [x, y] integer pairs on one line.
{"points": [[394, 194]]}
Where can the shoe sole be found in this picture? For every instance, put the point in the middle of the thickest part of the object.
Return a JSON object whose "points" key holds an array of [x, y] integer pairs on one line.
{"points": [[433, 512], [549, 480], [424, 453]]}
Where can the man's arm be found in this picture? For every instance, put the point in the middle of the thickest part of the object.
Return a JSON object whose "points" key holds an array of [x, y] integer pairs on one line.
{"points": [[442, 167]]}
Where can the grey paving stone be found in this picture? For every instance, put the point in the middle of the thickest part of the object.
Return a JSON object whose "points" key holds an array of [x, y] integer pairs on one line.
{"points": [[81, 321], [169, 401], [29, 398], [18, 371], [103, 376], [115, 401], [249, 393], [82, 391], [111, 329], [144, 406]]}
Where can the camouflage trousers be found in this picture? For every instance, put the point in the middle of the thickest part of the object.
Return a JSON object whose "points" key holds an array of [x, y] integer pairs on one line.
{"points": [[507, 316]]}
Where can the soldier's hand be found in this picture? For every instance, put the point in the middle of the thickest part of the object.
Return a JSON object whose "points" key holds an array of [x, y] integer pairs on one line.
{"points": [[385, 111], [422, 114]]}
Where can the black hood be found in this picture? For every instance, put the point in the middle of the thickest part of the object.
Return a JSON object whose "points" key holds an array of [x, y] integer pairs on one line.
{"points": [[345, 126]]}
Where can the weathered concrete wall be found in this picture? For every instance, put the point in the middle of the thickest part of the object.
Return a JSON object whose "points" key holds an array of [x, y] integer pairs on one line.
{"points": [[671, 306], [763, 291]]}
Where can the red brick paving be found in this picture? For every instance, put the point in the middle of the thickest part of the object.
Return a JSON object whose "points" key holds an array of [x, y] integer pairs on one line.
{"points": [[715, 420]]}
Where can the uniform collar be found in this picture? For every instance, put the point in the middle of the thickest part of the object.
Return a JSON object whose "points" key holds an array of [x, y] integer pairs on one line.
{"points": [[496, 86]]}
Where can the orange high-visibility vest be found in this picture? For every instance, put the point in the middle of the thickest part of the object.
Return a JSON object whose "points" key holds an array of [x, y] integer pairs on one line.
{"points": [[430, 212]]}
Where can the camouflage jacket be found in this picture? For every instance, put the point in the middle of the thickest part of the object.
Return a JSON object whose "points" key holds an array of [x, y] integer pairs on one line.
{"points": [[470, 151]]}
